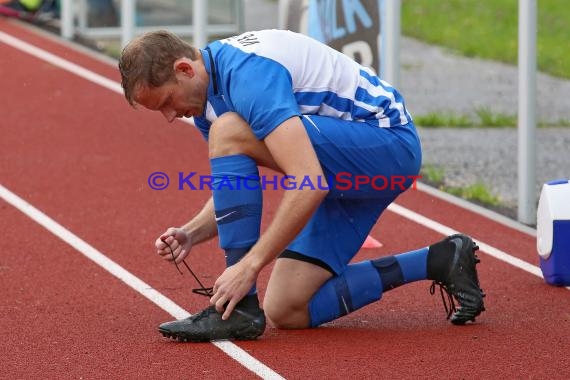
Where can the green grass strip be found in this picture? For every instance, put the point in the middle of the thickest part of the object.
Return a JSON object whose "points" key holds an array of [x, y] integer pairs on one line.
{"points": [[489, 29]]}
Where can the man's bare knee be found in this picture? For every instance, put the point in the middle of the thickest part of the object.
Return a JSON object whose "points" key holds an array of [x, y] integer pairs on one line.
{"points": [[285, 316], [230, 134], [286, 301]]}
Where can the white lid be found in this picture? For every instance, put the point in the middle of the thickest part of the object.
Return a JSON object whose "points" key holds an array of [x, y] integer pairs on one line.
{"points": [[554, 204]]}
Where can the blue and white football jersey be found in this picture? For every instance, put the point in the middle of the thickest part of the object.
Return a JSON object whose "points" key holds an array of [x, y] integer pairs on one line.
{"points": [[270, 76]]}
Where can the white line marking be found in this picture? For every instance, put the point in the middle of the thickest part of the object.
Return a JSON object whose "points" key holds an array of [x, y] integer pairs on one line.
{"points": [[61, 63], [488, 249], [489, 214], [67, 66], [131, 280]]}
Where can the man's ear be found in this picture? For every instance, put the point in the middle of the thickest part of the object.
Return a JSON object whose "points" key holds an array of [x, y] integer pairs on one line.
{"points": [[184, 66]]}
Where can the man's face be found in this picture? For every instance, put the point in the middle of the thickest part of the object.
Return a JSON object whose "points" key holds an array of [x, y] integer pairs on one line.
{"points": [[185, 96]]}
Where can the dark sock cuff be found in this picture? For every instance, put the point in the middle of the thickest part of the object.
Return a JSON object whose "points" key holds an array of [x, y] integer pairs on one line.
{"points": [[390, 272], [439, 256], [234, 255], [249, 302]]}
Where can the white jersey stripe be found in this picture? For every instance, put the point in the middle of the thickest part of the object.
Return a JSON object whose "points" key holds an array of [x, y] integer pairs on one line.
{"points": [[259, 71]]}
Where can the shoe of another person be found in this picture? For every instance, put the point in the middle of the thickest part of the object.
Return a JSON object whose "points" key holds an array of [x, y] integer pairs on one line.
{"points": [[461, 280], [247, 322]]}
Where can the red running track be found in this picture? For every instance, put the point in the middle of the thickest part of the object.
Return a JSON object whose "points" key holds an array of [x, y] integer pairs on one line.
{"points": [[75, 151]]}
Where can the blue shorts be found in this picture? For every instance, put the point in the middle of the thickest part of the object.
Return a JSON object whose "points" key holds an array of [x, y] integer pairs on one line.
{"points": [[366, 168]]}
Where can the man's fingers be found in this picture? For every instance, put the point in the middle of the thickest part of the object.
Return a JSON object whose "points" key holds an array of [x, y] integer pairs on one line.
{"points": [[163, 242], [223, 306], [181, 256], [167, 243], [163, 252], [171, 231], [159, 243], [229, 308], [172, 253], [219, 304], [217, 298], [175, 255], [167, 237]]}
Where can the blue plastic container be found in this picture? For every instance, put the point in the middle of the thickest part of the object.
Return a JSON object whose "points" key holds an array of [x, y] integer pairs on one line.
{"points": [[553, 232]]}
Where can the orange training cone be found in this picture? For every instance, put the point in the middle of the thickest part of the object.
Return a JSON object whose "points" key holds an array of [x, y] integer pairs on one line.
{"points": [[370, 242]]}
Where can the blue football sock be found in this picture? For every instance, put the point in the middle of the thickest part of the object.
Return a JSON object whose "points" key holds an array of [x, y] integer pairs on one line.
{"points": [[233, 255], [363, 283], [237, 201]]}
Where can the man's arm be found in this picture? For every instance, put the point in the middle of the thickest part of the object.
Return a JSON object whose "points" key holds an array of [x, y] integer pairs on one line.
{"points": [[293, 152], [181, 240], [203, 226]]}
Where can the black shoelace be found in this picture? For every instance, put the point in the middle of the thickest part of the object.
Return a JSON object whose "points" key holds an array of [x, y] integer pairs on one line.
{"points": [[202, 290], [448, 302]]}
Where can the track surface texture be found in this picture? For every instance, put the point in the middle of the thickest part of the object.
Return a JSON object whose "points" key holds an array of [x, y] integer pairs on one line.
{"points": [[77, 153]]}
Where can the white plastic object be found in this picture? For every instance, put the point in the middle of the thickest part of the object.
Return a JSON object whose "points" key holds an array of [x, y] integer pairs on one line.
{"points": [[553, 204]]}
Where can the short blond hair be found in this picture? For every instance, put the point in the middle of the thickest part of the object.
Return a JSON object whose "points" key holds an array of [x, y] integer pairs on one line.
{"points": [[148, 61]]}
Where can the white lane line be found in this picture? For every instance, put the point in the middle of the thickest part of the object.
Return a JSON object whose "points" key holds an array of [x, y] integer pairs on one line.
{"points": [[131, 280], [67, 66], [61, 63], [492, 215], [445, 230]]}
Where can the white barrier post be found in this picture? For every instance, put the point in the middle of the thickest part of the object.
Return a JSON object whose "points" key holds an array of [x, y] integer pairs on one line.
{"points": [[390, 25], [200, 23], [526, 112], [128, 11], [66, 19]]}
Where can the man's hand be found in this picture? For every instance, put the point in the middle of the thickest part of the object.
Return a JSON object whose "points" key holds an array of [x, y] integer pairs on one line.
{"points": [[179, 242], [232, 286]]}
